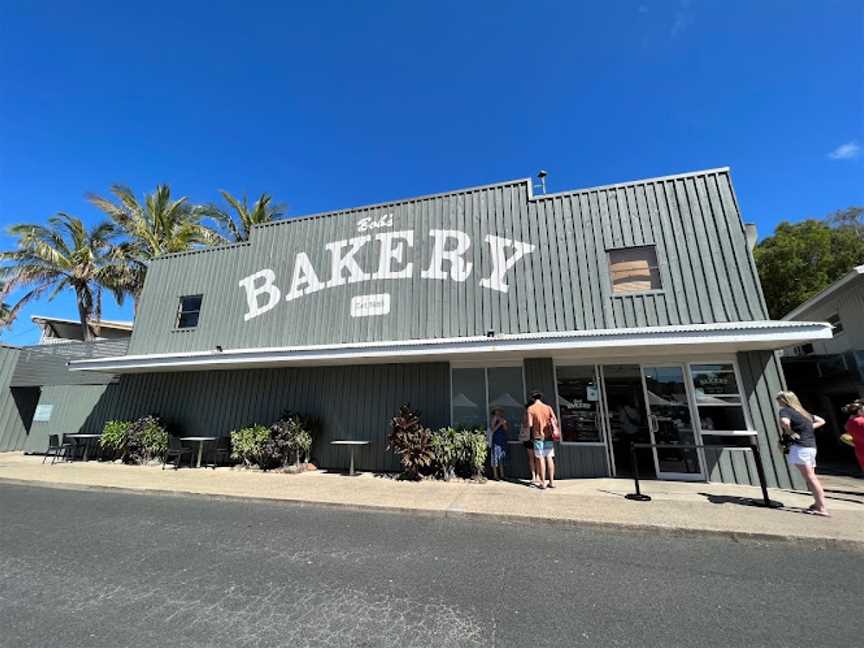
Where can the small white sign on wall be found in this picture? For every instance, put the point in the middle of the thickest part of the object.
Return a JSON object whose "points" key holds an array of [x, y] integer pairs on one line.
{"points": [[43, 412], [369, 305]]}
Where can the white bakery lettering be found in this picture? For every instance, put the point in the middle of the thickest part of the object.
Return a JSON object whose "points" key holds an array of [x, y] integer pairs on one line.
{"points": [[370, 223], [448, 261]]}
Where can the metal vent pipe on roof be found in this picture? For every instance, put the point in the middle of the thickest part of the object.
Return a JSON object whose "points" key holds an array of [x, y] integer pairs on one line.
{"points": [[541, 175]]}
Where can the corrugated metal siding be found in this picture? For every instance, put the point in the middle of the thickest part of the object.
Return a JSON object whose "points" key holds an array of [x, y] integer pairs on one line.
{"points": [[16, 405], [46, 364], [73, 405], [353, 403], [762, 378], [705, 265]]}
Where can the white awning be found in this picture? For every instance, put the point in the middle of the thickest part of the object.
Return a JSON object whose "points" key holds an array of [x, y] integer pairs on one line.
{"points": [[727, 337]]}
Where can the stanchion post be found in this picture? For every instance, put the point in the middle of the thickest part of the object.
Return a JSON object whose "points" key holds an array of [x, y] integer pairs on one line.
{"points": [[760, 471], [637, 496]]}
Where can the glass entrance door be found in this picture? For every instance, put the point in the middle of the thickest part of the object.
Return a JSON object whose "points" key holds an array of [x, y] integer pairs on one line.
{"points": [[626, 419], [670, 422]]}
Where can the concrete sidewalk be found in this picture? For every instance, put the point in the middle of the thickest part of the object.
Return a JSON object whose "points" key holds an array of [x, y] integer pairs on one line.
{"points": [[676, 508]]}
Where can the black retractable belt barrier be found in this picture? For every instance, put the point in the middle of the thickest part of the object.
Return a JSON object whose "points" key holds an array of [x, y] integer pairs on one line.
{"points": [[638, 496]]}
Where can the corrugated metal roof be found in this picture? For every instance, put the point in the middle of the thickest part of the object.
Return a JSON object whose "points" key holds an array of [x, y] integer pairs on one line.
{"points": [[46, 364], [763, 334]]}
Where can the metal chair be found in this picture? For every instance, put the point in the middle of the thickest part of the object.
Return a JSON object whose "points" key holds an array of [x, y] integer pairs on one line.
{"points": [[177, 451], [222, 452], [56, 448]]}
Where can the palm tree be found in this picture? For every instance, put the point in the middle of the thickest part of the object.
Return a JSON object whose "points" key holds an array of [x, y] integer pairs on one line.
{"points": [[158, 226], [5, 309], [240, 224], [61, 255]]}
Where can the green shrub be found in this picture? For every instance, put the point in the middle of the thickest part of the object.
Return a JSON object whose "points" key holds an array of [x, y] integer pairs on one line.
{"points": [[471, 452], [247, 444], [290, 437], [445, 448], [147, 441], [412, 442], [115, 434], [459, 451]]}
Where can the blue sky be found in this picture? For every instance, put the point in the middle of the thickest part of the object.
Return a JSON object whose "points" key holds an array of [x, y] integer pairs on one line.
{"points": [[342, 103]]}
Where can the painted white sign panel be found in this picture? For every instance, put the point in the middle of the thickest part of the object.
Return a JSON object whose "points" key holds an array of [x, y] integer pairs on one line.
{"points": [[369, 305], [43, 412]]}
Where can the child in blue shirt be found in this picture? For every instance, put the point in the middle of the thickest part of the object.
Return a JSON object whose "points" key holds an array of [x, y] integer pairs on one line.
{"points": [[498, 451]]}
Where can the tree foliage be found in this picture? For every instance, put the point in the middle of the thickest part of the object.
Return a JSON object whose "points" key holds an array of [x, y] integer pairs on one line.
{"points": [[801, 259], [63, 254], [236, 226], [116, 253], [160, 225]]}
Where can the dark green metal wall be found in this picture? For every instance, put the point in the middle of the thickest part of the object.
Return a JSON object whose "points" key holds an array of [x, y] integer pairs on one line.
{"points": [[46, 364], [73, 405], [353, 403], [16, 404], [706, 268]]}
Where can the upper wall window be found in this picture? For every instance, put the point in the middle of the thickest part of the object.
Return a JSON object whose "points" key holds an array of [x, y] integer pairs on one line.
{"points": [[634, 269], [836, 324], [188, 311]]}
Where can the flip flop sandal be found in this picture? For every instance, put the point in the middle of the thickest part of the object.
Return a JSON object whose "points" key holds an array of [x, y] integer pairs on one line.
{"points": [[817, 513]]}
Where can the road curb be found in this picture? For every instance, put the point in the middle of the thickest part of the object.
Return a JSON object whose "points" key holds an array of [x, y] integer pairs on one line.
{"points": [[811, 542]]}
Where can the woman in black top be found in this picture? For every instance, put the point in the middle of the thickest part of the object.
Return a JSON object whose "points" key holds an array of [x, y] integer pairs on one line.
{"points": [[799, 436]]}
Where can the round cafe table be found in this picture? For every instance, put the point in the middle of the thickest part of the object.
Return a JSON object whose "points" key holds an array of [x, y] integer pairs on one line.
{"points": [[86, 438], [352, 445], [201, 441]]}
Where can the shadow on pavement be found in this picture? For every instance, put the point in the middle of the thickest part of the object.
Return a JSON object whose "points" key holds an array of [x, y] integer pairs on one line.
{"points": [[733, 499]]}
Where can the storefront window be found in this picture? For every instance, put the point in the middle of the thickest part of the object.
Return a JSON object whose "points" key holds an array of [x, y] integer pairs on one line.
{"points": [[507, 392], [718, 398], [475, 392], [468, 397], [578, 404]]}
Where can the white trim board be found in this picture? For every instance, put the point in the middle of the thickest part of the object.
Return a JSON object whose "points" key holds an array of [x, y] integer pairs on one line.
{"points": [[724, 337]]}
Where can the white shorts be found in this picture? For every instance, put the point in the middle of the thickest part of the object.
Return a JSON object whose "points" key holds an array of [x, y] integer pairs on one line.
{"points": [[801, 456], [543, 449]]}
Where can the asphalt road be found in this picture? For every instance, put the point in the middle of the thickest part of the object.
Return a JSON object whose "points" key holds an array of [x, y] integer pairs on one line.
{"points": [[93, 569]]}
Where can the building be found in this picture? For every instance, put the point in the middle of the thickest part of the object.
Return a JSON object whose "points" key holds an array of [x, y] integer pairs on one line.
{"points": [[39, 373], [56, 330], [635, 308], [828, 373]]}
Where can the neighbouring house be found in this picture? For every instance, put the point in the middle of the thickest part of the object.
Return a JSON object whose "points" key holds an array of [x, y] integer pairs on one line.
{"points": [[56, 330], [634, 307], [828, 373]]}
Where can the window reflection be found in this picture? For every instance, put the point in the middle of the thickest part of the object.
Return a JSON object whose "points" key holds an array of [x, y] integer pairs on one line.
{"points": [[504, 388], [718, 398], [579, 404]]}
